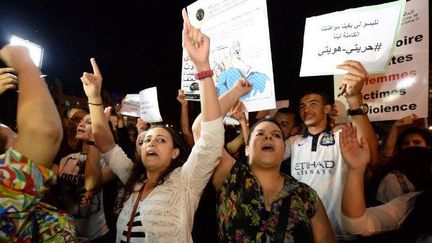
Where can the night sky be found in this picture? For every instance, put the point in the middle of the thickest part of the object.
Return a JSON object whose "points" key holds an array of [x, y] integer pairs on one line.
{"points": [[137, 44]]}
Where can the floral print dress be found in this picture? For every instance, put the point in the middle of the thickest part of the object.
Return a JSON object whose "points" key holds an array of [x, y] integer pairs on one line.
{"points": [[242, 216], [23, 217]]}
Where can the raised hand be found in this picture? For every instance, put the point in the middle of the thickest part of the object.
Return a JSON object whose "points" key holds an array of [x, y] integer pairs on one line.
{"points": [[181, 97], [242, 86], [404, 121], [238, 111], [196, 44], [117, 108], [239, 116], [92, 82], [333, 112], [16, 57], [107, 113], [7, 79], [353, 81], [355, 154], [141, 125]]}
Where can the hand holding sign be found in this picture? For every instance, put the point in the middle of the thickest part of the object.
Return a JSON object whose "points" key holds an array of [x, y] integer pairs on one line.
{"points": [[353, 81], [8, 80], [407, 120]]}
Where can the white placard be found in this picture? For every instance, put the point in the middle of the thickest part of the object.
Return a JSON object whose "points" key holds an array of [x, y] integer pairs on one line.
{"points": [[36, 51], [403, 89], [365, 34], [240, 48], [130, 105], [149, 106]]}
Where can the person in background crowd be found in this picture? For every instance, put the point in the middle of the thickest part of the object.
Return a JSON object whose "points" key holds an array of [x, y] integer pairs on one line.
{"points": [[290, 124], [397, 168], [79, 188], [409, 213], [404, 133], [408, 171], [70, 123], [289, 121]]}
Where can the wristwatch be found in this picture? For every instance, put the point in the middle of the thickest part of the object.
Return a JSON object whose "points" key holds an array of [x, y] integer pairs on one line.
{"points": [[362, 110]]}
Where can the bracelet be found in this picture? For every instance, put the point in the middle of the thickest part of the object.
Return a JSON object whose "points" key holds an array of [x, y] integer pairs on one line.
{"points": [[91, 143], [96, 104], [203, 74]]}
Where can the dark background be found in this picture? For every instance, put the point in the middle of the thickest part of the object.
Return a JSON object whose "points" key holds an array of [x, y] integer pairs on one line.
{"points": [[138, 44]]}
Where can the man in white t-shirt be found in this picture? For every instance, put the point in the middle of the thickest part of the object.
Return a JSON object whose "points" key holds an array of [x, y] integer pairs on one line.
{"points": [[315, 155]]}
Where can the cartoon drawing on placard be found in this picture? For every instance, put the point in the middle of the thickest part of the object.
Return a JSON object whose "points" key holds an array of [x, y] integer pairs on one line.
{"points": [[232, 68]]}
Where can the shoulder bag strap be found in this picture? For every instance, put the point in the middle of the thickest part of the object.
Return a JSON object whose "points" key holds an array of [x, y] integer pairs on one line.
{"points": [[283, 220], [401, 179], [132, 217]]}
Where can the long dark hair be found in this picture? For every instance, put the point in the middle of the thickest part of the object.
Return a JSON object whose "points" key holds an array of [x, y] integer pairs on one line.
{"points": [[139, 171]]}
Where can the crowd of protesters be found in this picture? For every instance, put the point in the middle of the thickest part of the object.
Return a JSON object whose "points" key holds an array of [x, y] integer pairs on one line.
{"points": [[291, 177]]}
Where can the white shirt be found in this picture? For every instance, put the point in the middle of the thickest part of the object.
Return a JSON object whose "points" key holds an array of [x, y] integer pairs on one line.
{"points": [[167, 213], [317, 161], [385, 217], [390, 187], [94, 226]]}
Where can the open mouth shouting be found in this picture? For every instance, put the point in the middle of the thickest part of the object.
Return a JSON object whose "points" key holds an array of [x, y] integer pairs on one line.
{"points": [[151, 153], [268, 148]]}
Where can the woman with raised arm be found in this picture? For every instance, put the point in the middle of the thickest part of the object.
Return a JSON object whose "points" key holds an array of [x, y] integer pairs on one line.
{"points": [[252, 195], [80, 189], [259, 203], [163, 192], [407, 215]]}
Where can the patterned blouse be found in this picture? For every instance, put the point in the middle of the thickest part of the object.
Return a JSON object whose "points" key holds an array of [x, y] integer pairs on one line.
{"points": [[242, 216], [22, 214]]}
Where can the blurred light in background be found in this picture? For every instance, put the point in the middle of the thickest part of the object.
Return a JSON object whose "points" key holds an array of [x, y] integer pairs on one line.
{"points": [[36, 51]]}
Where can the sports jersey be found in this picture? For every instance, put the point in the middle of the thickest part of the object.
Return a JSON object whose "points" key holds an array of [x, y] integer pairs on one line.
{"points": [[317, 161]]}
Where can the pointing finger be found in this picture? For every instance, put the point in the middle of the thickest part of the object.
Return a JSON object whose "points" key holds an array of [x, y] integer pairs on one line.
{"points": [[185, 17], [96, 70]]}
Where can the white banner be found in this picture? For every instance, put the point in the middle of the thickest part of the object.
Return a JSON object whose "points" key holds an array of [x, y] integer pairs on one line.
{"points": [[130, 105], [240, 48], [403, 89], [365, 34], [149, 106]]}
